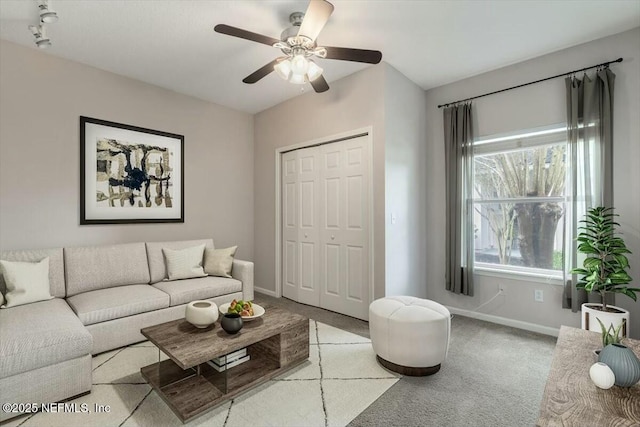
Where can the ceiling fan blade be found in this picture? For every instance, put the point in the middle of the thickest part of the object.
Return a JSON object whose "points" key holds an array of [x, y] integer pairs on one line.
{"points": [[244, 34], [320, 85], [260, 73], [355, 55], [315, 18]]}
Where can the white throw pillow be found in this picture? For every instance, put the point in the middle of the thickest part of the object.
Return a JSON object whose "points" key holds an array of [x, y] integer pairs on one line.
{"points": [[184, 263], [26, 282], [219, 262]]}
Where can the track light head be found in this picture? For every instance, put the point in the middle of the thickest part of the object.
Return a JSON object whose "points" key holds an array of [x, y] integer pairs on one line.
{"points": [[47, 15], [38, 31]]}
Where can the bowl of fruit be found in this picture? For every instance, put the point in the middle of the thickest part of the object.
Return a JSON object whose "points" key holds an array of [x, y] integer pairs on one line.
{"points": [[247, 309]]}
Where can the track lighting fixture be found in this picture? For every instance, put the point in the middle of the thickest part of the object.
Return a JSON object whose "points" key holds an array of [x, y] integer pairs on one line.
{"points": [[47, 15], [39, 32]]}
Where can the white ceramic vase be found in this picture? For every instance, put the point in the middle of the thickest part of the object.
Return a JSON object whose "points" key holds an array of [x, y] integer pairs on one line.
{"points": [[201, 314], [602, 376], [590, 316]]}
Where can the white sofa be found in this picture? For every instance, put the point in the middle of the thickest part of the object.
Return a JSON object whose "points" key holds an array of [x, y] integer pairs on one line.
{"points": [[103, 296]]}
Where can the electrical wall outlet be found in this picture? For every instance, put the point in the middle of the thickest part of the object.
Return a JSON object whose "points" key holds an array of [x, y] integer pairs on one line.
{"points": [[538, 295]]}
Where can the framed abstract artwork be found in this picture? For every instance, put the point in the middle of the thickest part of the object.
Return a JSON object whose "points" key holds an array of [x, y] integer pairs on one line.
{"points": [[129, 174]]}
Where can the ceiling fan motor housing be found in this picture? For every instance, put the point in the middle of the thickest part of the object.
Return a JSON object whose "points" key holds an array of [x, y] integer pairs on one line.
{"points": [[296, 20]]}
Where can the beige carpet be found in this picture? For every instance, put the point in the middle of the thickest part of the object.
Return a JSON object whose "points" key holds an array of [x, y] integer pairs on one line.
{"points": [[340, 380]]}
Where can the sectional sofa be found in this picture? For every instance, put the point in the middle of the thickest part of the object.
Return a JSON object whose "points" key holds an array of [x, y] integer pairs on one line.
{"points": [[102, 297]]}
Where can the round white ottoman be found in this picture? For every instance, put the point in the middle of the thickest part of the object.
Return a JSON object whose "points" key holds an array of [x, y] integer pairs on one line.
{"points": [[409, 335]]}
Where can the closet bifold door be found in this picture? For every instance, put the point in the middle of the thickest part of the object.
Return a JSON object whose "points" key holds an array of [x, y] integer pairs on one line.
{"points": [[300, 212], [326, 226], [344, 227]]}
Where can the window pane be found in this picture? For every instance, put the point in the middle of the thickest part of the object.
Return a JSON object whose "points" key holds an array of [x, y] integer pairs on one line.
{"points": [[532, 172], [527, 234], [519, 188]]}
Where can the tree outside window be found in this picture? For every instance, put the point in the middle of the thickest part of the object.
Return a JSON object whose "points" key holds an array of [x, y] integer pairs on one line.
{"points": [[519, 201]]}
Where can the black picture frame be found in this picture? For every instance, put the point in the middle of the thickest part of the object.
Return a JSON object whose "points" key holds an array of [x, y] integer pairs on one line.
{"points": [[131, 202]]}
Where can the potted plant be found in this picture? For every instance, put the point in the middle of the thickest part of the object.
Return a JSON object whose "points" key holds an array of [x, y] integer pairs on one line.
{"points": [[604, 269], [622, 363], [610, 335]]}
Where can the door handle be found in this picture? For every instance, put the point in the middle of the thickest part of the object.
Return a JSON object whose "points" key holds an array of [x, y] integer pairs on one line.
{"points": [[305, 235], [333, 237]]}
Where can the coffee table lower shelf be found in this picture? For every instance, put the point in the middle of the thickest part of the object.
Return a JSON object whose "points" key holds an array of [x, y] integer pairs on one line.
{"points": [[189, 393]]}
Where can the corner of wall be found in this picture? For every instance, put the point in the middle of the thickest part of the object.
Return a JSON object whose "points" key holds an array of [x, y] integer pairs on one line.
{"points": [[405, 181]]}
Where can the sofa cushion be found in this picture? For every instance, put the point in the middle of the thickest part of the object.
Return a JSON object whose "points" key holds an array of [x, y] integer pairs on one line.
{"points": [[157, 268], [184, 291], [40, 334], [56, 267], [100, 267], [113, 303]]}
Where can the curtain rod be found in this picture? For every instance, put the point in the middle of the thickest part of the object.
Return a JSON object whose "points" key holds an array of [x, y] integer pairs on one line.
{"points": [[530, 83]]}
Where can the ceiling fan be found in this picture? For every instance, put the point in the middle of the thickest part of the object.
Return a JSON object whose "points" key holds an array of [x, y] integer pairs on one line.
{"points": [[298, 43]]}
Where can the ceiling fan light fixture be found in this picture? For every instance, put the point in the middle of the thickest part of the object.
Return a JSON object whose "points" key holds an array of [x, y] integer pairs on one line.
{"points": [[283, 68], [313, 71], [299, 64], [298, 79]]}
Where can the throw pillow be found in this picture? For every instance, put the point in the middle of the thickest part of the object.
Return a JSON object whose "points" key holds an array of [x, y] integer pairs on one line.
{"points": [[184, 263], [26, 282], [219, 262]]}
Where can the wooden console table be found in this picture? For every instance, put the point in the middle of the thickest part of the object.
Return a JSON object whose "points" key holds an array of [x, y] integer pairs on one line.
{"points": [[570, 397]]}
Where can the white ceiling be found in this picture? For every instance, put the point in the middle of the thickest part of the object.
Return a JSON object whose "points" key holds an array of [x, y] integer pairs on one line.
{"points": [[171, 43]]}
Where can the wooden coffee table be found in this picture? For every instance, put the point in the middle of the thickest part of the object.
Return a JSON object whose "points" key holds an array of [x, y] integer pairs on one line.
{"points": [[276, 342]]}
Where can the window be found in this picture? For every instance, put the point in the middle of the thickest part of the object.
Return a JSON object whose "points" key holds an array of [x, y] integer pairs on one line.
{"points": [[519, 201]]}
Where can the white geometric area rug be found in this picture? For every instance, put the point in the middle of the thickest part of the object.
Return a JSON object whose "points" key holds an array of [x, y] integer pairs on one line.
{"points": [[340, 380]]}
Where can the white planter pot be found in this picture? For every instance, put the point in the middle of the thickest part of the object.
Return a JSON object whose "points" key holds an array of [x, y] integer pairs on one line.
{"points": [[590, 316], [201, 314]]}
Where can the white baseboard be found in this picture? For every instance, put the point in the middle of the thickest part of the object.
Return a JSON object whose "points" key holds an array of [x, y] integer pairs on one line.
{"points": [[265, 291], [546, 330]]}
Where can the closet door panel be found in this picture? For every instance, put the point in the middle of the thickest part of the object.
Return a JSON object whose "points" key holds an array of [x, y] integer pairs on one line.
{"points": [[289, 211], [308, 220]]}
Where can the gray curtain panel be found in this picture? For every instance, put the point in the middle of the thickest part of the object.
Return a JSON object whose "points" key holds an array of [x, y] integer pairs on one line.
{"points": [[589, 165], [458, 141]]}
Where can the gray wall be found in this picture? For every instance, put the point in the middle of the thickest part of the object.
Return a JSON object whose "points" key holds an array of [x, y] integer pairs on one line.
{"points": [[41, 100], [353, 102], [405, 181], [533, 106]]}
